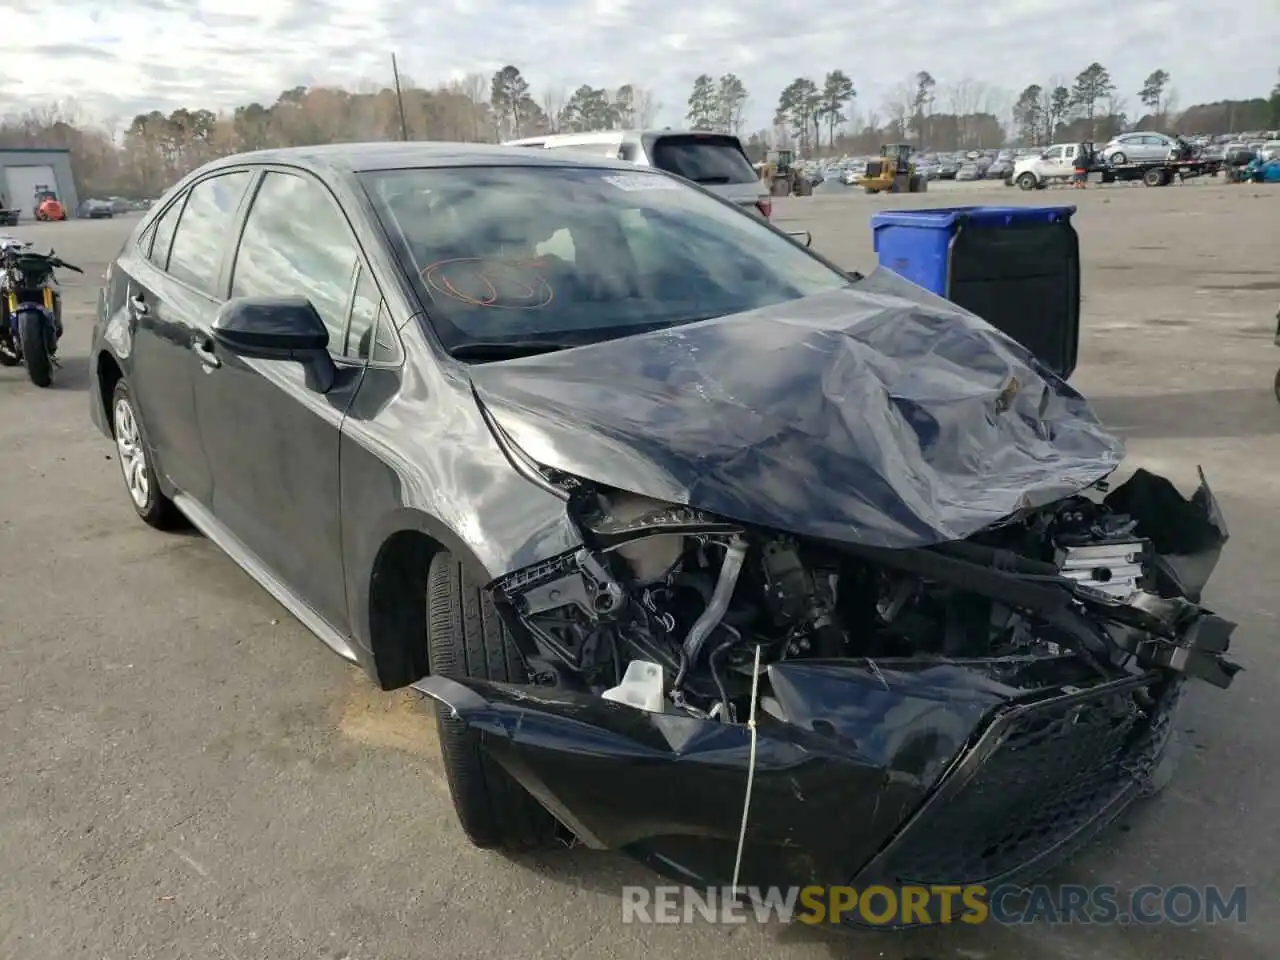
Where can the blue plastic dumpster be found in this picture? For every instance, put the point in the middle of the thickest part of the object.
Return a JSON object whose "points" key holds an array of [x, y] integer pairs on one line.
{"points": [[1016, 267]]}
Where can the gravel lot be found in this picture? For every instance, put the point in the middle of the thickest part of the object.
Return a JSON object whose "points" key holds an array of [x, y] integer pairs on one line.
{"points": [[186, 773]]}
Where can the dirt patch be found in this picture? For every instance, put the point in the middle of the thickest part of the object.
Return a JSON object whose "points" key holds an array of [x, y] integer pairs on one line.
{"points": [[399, 720]]}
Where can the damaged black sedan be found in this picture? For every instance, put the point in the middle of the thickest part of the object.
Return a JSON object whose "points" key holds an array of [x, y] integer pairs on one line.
{"points": [[711, 552]]}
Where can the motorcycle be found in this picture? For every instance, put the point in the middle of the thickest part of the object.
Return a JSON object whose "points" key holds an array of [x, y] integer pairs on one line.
{"points": [[30, 309]]}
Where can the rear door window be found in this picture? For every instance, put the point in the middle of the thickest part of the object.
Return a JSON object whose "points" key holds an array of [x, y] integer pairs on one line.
{"points": [[205, 229], [161, 236], [707, 159]]}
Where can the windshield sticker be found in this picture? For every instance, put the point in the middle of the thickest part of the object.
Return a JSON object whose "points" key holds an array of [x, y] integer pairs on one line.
{"points": [[632, 182], [497, 284]]}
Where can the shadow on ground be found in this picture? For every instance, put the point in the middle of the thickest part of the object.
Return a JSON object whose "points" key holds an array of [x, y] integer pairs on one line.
{"points": [[72, 373]]}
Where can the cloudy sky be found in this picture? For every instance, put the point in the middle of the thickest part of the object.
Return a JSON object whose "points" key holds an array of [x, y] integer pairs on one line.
{"points": [[135, 55]]}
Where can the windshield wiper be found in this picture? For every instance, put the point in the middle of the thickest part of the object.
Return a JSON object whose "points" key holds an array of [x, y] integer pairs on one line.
{"points": [[711, 180], [507, 349]]}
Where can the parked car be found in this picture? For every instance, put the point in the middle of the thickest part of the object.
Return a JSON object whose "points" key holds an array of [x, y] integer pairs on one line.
{"points": [[969, 171], [715, 161], [97, 210], [1000, 170], [1237, 154], [1138, 148], [611, 468]]}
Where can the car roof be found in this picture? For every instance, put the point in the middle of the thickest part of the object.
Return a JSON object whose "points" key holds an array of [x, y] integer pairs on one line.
{"points": [[349, 158], [630, 134]]}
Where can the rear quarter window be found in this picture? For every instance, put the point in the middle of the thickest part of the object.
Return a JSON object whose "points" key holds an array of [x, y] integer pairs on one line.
{"points": [[703, 159]]}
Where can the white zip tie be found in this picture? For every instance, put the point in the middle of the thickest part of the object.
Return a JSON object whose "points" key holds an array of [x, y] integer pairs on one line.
{"points": [[751, 770]]}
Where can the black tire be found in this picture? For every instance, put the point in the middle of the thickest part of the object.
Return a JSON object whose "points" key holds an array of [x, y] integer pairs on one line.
{"points": [[156, 510], [871, 190], [1155, 177], [1277, 386], [34, 333], [1118, 160], [466, 638], [1027, 181]]}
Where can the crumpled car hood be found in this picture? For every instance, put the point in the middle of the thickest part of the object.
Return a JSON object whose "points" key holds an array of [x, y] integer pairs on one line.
{"points": [[879, 414]]}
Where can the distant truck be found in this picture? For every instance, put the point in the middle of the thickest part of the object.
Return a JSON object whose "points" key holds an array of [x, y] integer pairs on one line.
{"points": [[1058, 162]]}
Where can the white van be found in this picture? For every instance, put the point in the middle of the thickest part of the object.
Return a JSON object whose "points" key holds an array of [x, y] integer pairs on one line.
{"points": [[714, 161]]}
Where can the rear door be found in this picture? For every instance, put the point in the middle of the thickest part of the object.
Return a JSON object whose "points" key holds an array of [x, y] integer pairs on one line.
{"points": [[272, 441], [171, 281], [714, 161]]}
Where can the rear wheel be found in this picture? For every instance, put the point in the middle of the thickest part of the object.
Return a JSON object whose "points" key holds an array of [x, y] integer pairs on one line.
{"points": [[33, 330], [466, 639], [136, 467], [1155, 177], [1027, 181]]}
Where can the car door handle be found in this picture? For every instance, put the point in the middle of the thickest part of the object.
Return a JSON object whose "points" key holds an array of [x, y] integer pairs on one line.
{"points": [[139, 305], [204, 350]]}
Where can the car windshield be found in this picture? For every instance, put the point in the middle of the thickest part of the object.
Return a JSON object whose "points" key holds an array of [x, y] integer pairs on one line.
{"points": [[574, 254]]}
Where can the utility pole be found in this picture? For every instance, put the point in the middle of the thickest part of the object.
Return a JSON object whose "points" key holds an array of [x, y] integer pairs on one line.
{"points": [[404, 125]]}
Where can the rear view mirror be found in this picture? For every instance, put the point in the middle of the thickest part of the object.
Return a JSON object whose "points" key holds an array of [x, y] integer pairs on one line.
{"points": [[804, 236], [278, 328]]}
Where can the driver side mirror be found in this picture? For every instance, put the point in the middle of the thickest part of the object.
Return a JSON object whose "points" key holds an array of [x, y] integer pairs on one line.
{"points": [[278, 328]]}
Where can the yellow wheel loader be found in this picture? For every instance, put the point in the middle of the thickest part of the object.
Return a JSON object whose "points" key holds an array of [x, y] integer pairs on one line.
{"points": [[779, 174], [893, 172]]}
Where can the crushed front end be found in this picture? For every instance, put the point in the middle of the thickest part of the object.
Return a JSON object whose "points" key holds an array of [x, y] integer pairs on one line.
{"points": [[967, 712]]}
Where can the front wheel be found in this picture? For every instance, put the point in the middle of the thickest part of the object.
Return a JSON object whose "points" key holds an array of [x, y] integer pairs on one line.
{"points": [[1118, 160], [466, 638], [33, 330]]}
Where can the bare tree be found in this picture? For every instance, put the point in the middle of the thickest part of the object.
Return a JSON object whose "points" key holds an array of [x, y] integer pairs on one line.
{"points": [[963, 96], [646, 107], [898, 104], [553, 101]]}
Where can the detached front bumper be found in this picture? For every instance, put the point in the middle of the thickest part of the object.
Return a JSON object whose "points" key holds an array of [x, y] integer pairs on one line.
{"points": [[896, 772]]}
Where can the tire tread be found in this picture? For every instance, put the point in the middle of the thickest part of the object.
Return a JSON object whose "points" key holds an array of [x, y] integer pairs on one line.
{"points": [[466, 638]]}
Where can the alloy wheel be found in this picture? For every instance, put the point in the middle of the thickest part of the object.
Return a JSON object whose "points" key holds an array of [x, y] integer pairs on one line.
{"points": [[133, 460]]}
